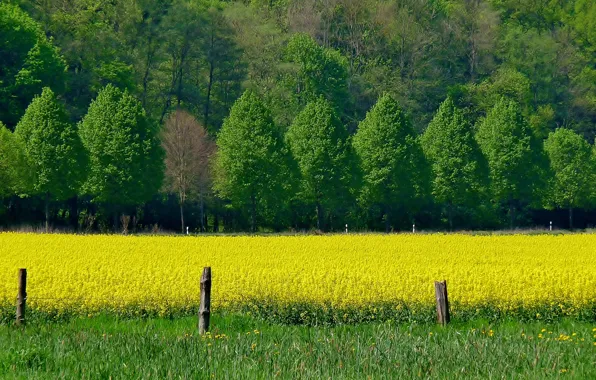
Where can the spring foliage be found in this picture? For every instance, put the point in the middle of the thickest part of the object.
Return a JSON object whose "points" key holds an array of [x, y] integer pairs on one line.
{"points": [[394, 167], [251, 158], [126, 158], [53, 148]]}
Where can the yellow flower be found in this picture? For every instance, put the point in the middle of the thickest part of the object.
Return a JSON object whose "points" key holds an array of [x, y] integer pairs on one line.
{"points": [[160, 274]]}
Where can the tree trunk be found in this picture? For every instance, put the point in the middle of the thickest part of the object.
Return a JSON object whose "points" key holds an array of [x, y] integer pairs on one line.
{"points": [[571, 218], [450, 215], [511, 214], [387, 224], [47, 211], [74, 213], [208, 100], [215, 222], [253, 213], [115, 222], [182, 216], [202, 210], [319, 216]]}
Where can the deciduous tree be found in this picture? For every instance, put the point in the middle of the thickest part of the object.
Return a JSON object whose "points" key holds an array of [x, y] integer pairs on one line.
{"points": [[573, 168], [28, 62], [188, 151], [395, 172], [15, 172], [459, 170], [54, 149], [514, 155], [319, 143], [251, 161], [126, 158]]}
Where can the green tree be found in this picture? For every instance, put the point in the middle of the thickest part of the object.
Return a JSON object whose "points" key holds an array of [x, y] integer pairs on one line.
{"points": [[573, 170], [251, 159], [317, 71], [319, 143], [395, 170], [28, 62], [53, 148], [14, 169], [514, 156], [126, 158], [459, 170], [584, 21]]}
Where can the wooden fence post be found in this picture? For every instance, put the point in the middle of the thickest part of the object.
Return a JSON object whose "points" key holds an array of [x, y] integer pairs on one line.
{"points": [[22, 297], [442, 302], [205, 307]]}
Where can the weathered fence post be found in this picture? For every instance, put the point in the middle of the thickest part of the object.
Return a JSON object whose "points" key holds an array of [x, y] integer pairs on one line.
{"points": [[22, 297], [205, 307], [442, 302]]}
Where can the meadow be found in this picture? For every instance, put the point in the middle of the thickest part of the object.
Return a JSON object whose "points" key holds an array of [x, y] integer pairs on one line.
{"points": [[241, 347], [315, 280], [335, 306]]}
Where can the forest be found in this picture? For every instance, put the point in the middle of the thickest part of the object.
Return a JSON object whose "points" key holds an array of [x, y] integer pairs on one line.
{"points": [[297, 115]]}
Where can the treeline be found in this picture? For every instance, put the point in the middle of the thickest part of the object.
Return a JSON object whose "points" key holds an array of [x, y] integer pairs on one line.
{"points": [[378, 114]]}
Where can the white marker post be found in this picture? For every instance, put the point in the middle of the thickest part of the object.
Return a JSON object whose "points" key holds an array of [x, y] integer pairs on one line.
{"points": [[346, 228], [187, 230], [551, 225], [413, 228]]}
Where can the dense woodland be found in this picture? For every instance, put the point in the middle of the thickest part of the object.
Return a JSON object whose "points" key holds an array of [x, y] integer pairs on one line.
{"points": [[297, 114]]}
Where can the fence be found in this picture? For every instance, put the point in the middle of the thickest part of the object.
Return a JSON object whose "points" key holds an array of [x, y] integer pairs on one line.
{"points": [[204, 314]]}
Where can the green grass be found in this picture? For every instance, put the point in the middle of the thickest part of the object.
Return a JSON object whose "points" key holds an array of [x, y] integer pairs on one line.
{"points": [[104, 347]]}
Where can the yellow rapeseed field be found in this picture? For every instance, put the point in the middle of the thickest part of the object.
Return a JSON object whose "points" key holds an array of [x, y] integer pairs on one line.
{"points": [[91, 273]]}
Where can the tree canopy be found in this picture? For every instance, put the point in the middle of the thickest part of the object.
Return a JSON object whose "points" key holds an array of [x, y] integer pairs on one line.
{"points": [[319, 144], [125, 156], [251, 159], [459, 170], [354, 112], [394, 167]]}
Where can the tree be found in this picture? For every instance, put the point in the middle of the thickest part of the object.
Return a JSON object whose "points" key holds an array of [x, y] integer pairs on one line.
{"points": [[319, 143], [28, 62], [126, 158], [515, 162], [459, 170], [223, 67], [188, 150], [251, 159], [318, 71], [54, 149], [14, 167], [574, 170], [394, 167]]}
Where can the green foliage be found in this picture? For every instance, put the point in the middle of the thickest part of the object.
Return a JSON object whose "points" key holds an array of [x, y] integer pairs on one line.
{"points": [[505, 82], [53, 148], [513, 153], [251, 162], [395, 171], [574, 169], [584, 21], [318, 72], [201, 55], [319, 143], [14, 166], [28, 62], [459, 170], [126, 158]]}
